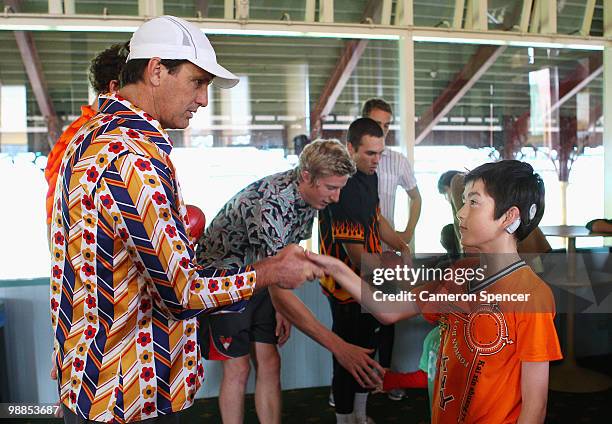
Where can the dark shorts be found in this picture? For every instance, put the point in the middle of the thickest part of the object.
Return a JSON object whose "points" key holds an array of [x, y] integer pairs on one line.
{"points": [[226, 336]]}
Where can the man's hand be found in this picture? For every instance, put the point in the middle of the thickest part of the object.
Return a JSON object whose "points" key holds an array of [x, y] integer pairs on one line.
{"points": [[288, 269], [406, 236], [355, 359], [60, 412], [283, 329]]}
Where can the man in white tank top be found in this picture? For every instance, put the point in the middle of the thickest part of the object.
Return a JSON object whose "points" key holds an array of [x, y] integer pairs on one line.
{"points": [[394, 170]]}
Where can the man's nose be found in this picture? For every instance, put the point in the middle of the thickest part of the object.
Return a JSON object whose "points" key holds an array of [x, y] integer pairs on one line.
{"points": [[202, 97], [335, 196]]}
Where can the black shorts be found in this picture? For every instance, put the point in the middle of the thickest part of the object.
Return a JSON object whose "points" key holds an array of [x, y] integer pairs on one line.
{"points": [[226, 336]]}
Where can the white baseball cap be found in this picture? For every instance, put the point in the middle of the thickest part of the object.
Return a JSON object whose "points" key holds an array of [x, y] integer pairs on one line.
{"points": [[169, 37]]}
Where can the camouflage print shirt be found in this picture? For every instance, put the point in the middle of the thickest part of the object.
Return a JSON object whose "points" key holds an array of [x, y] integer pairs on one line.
{"points": [[258, 221]]}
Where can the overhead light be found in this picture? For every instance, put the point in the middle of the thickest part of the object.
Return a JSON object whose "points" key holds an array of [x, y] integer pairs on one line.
{"points": [[309, 34], [501, 42]]}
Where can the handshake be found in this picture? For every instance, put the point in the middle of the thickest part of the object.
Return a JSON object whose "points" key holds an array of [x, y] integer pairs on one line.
{"points": [[292, 266]]}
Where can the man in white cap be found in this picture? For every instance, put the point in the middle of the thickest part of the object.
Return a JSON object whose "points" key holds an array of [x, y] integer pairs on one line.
{"points": [[124, 288]]}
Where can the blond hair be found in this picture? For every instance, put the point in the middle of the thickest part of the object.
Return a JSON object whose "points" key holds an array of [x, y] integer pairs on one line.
{"points": [[324, 158]]}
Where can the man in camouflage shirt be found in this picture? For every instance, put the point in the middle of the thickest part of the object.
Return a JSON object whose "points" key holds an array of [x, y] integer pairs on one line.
{"points": [[257, 222]]}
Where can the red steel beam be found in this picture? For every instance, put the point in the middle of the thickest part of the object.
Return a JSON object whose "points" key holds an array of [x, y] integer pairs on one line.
{"points": [[567, 88], [478, 64], [349, 58], [33, 67], [353, 50]]}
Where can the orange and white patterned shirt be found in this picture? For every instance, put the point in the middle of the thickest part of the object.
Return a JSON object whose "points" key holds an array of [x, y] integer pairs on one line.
{"points": [[124, 288]]}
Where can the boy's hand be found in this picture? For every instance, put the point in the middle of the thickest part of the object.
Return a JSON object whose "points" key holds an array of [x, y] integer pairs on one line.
{"points": [[328, 264]]}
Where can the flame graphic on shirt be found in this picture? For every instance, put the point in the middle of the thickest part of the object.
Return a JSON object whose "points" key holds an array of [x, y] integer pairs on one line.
{"points": [[348, 230]]}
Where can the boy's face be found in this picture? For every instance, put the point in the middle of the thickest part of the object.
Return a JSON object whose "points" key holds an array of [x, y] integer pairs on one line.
{"points": [[478, 228]]}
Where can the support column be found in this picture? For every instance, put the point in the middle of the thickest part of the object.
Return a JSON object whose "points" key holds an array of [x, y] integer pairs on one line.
{"points": [[242, 9], [298, 105], [406, 96], [607, 112], [548, 16], [228, 9], [55, 7], [309, 12], [476, 15], [150, 7], [567, 142], [326, 11], [404, 13], [69, 7], [525, 15], [458, 14]]}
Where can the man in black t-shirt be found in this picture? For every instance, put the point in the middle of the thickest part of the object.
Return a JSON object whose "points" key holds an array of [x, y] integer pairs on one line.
{"points": [[348, 229]]}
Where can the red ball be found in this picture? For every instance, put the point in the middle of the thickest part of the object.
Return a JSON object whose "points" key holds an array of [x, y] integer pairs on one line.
{"points": [[197, 221]]}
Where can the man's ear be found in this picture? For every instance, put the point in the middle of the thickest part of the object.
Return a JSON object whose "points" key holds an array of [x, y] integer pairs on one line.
{"points": [[306, 177], [349, 147], [154, 71]]}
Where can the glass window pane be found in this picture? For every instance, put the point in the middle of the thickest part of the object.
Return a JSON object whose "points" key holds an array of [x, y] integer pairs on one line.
{"points": [[540, 105], [427, 13], [113, 7]]}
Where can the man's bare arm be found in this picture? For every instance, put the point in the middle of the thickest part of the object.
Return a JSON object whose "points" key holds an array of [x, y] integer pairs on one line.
{"points": [[414, 208], [358, 290], [392, 238], [353, 358]]}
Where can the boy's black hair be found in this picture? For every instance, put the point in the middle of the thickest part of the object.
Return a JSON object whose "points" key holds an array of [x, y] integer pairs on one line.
{"points": [[106, 67], [444, 181], [512, 183], [360, 128]]}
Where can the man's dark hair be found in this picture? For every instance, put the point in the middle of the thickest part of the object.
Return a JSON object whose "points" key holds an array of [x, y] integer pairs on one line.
{"points": [[444, 181], [375, 103], [360, 128], [299, 142], [106, 67], [512, 183], [448, 240], [133, 70]]}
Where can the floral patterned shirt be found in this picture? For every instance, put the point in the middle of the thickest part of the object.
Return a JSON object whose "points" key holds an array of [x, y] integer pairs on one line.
{"points": [[124, 288]]}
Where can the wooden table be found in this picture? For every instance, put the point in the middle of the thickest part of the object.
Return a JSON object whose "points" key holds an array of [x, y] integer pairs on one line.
{"points": [[569, 377]]}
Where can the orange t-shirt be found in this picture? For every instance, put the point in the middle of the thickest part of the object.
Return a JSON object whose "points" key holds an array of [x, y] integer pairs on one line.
{"points": [[483, 344], [56, 155]]}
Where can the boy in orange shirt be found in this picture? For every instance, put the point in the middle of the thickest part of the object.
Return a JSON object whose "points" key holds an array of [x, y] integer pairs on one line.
{"points": [[494, 352]]}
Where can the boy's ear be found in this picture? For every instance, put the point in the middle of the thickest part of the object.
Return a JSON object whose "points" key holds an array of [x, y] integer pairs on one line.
{"points": [[113, 86], [511, 216]]}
